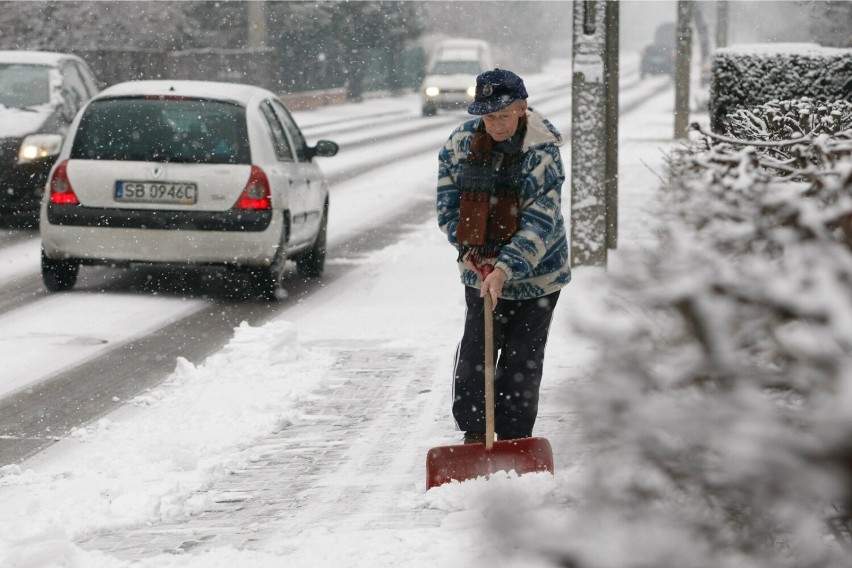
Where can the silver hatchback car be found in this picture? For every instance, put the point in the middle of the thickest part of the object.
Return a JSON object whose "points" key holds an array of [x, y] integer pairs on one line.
{"points": [[190, 173]]}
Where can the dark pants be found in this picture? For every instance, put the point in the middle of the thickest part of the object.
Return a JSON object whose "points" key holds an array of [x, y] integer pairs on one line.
{"points": [[520, 336]]}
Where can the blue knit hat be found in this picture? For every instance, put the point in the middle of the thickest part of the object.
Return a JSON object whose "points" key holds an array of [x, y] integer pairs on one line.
{"points": [[495, 90]]}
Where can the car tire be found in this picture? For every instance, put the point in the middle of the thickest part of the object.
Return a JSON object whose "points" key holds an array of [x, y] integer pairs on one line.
{"points": [[312, 263], [266, 282], [252, 283], [242, 283], [58, 275], [430, 110]]}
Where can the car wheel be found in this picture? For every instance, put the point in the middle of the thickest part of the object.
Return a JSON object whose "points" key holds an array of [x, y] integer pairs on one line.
{"points": [[430, 110], [266, 282], [312, 263], [58, 275], [244, 283]]}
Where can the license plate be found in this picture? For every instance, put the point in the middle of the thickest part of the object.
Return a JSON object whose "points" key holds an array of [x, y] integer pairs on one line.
{"points": [[176, 193]]}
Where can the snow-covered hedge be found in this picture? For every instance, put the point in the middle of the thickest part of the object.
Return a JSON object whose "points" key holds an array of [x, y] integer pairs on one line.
{"points": [[749, 75], [720, 412], [789, 120], [817, 128]]}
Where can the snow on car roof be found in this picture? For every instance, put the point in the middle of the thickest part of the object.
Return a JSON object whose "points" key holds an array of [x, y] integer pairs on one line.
{"points": [[34, 57], [237, 92]]}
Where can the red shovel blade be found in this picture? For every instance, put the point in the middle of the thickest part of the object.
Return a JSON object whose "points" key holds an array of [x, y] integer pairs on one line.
{"points": [[469, 461]]}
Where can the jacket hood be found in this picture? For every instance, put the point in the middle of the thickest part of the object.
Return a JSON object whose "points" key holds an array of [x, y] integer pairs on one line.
{"points": [[540, 131]]}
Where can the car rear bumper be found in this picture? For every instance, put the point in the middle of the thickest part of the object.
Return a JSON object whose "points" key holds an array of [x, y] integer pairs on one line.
{"points": [[231, 220], [170, 239]]}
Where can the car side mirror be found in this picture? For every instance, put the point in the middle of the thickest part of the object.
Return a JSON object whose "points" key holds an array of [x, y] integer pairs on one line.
{"points": [[323, 149], [70, 104]]}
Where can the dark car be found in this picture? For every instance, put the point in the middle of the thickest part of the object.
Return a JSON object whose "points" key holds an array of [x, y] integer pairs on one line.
{"points": [[40, 92], [659, 57]]}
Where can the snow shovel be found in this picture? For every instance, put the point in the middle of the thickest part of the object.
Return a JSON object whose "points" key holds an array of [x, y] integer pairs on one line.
{"points": [[469, 461]]}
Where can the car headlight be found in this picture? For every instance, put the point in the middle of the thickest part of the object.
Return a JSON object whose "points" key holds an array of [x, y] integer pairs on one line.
{"points": [[471, 91], [432, 91], [37, 146]]}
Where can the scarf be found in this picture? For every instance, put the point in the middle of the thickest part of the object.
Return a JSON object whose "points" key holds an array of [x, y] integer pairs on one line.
{"points": [[490, 200]]}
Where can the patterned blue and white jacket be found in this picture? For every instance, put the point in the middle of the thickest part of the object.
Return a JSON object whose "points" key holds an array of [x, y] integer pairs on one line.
{"points": [[536, 259]]}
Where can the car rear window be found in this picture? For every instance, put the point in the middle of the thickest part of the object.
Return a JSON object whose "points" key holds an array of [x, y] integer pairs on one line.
{"points": [[163, 129], [23, 85]]}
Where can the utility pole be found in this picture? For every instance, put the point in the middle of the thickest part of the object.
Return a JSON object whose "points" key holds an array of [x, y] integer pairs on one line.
{"points": [[594, 132], [682, 64], [722, 23], [611, 127], [262, 63], [256, 23]]}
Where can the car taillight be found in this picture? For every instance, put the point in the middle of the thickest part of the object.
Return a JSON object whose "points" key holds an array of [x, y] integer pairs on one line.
{"points": [[256, 194], [61, 191]]}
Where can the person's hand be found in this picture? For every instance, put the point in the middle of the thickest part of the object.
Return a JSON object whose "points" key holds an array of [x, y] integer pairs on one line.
{"points": [[493, 283], [492, 278], [478, 268]]}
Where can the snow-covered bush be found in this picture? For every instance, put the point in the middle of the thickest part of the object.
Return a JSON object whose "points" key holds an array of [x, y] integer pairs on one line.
{"points": [[720, 410], [817, 128], [745, 76], [790, 119]]}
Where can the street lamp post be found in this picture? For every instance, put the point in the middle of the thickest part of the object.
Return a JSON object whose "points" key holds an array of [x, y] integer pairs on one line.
{"points": [[683, 57], [594, 132]]}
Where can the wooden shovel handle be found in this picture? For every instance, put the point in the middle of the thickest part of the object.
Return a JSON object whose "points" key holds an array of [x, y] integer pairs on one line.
{"points": [[489, 372]]}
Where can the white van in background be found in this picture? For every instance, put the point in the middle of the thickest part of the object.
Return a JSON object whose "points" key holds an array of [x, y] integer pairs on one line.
{"points": [[450, 80]]}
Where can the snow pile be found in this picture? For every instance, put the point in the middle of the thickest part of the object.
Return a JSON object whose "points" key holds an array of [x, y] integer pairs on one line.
{"points": [[152, 465], [721, 406]]}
